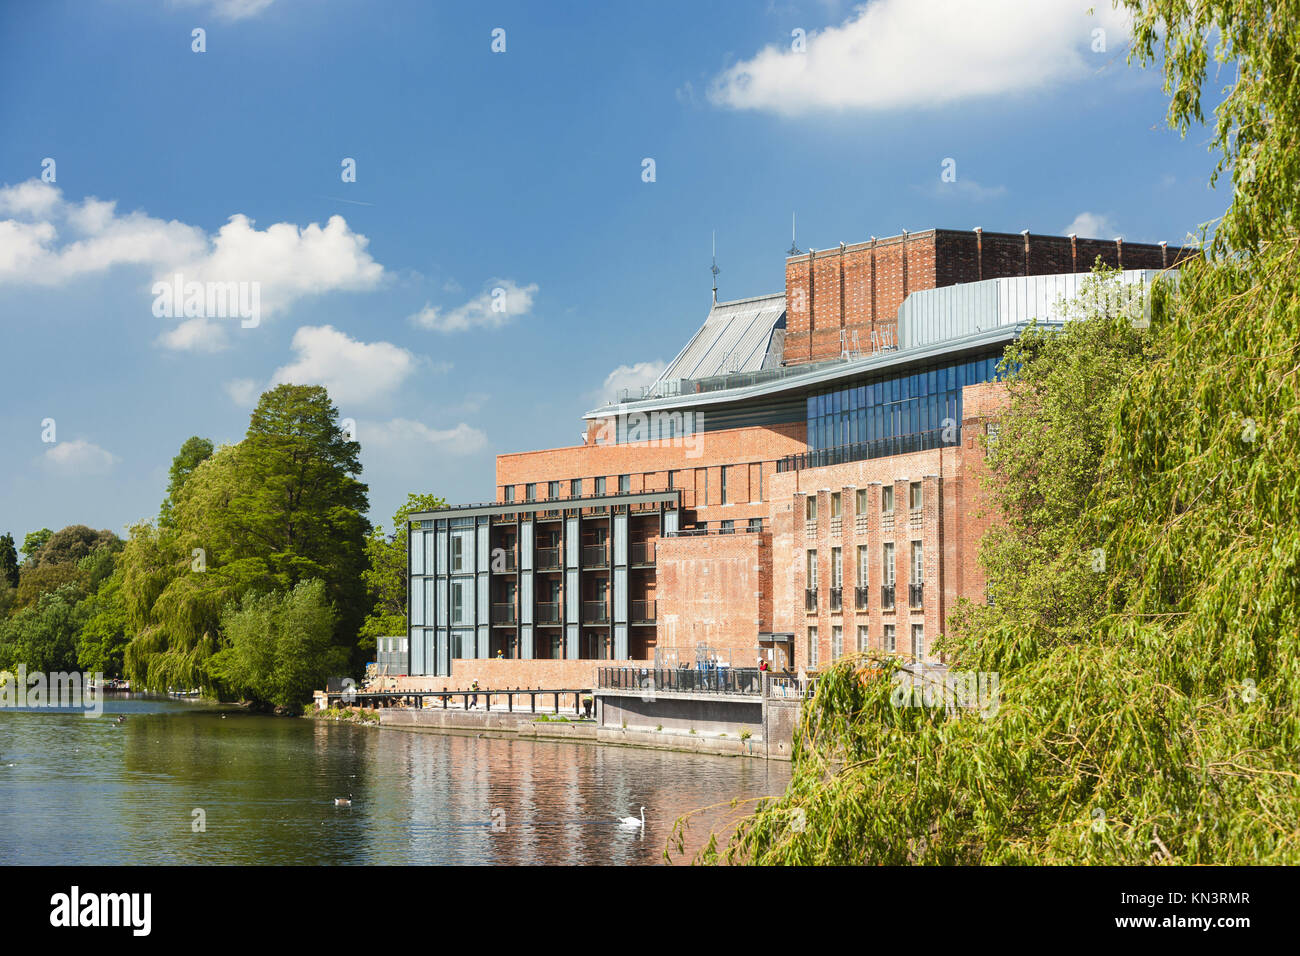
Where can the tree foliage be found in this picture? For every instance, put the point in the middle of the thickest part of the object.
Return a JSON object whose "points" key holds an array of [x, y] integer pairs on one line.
{"points": [[193, 453], [386, 573], [8, 560]]}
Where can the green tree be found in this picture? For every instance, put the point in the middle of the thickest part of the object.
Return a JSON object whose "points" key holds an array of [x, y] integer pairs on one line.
{"points": [[44, 636], [193, 453], [8, 560], [279, 645], [386, 574], [101, 645], [33, 541]]}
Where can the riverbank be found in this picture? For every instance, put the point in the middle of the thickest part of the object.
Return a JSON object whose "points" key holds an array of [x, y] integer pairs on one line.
{"points": [[573, 730]]}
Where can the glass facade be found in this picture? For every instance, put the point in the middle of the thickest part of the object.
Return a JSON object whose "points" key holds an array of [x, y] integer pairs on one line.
{"points": [[891, 414]]}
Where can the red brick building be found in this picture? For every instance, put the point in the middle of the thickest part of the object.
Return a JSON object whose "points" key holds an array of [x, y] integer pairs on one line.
{"points": [[801, 482]]}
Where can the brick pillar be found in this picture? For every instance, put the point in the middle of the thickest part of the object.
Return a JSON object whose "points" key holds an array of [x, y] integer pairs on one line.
{"points": [[1074, 253], [979, 252], [1025, 233], [1119, 252], [842, 287], [811, 291], [1164, 257], [873, 287]]}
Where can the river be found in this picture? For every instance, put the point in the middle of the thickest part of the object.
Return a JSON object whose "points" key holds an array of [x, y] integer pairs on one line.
{"points": [[185, 782]]}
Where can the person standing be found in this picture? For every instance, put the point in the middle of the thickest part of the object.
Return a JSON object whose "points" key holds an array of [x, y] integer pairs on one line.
{"points": [[473, 701]]}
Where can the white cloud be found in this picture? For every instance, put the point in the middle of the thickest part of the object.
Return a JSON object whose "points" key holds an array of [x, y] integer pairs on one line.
{"points": [[228, 9], [354, 372], [500, 302], [403, 433], [49, 241], [631, 377], [897, 54], [243, 391], [195, 335], [967, 189], [1092, 225], [78, 457]]}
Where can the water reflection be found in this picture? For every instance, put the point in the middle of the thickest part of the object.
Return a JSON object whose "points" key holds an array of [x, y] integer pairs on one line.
{"points": [[78, 790]]}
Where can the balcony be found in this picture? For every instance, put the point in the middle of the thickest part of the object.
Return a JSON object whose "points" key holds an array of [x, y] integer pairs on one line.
{"points": [[887, 597], [837, 599], [595, 612], [915, 594], [810, 600], [548, 559], [595, 556], [548, 613], [643, 612], [643, 552], [860, 597], [503, 560], [503, 613]]}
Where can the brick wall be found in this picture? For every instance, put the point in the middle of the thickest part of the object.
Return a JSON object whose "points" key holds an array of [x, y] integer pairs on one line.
{"points": [[711, 591]]}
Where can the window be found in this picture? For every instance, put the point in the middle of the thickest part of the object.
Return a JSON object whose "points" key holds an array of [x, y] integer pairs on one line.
{"points": [[837, 642], [862, 566], [728, 527], [459, 595], [812, 570], [864, 639], [835, 504], [914, 496], [510, 494], [991, 433], [887, 499], [672, 480], [918, 563], [624, 483], [723, 472], [862, 501], [600, 486], [553, 490], [918, 640], [755, 525], [810, 508], [530, 492], [890, 643], [812, 647], [575, 488], [702, 527], [837, 568], [888, 568], [460, 550]]}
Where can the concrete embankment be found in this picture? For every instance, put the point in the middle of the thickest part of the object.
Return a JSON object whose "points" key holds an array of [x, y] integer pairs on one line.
{"points": [[577, 731]]}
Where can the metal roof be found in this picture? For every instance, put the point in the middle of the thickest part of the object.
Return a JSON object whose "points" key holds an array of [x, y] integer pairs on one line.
{"points": [[739, 336]]}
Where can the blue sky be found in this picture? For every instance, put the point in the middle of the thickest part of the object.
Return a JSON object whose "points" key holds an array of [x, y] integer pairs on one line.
{"points": [[519, 171]]}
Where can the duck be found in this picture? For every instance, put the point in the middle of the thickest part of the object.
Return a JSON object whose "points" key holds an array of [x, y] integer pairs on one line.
{"points": [[121, 719], [343, 801]]}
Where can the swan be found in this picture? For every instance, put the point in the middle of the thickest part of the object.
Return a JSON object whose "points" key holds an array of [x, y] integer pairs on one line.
{"points": [[343, 801], [632, 822]]}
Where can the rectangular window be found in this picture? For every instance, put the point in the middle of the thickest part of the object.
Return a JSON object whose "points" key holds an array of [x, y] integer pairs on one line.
{"points": [[702, 527], [624, 483], [914, 496], [888, 568], [918, 640], [600, 486], [862, 501], [837, 642], [889, 641], [723, 482], [460, 550], [864, 639], [672, 480], [755, 524], [812, 647], [575, 488], [887, 499], [728, 527], [553, 490], [918, 563], [459, 611], [810, 508], [812, 570], [862, 566], [530, 492], [835, 504], [509, 494], [837, 568]]}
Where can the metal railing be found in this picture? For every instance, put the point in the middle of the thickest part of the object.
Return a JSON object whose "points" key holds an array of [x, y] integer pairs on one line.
{"points": [[595, 556], [887, 596], [860, 597], [915, 594], [643, 552], [548, 612], [503, 614], [787, 687], [595, 612], [837, 599], [548, 559], [810, 599], [643, 612], [700, 679]]}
